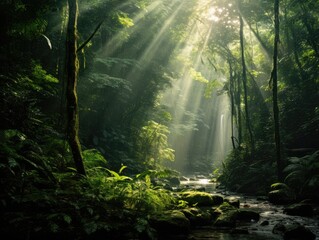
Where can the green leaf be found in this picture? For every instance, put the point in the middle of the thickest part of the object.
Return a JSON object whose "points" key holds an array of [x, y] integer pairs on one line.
{"points": [[122, 168]]}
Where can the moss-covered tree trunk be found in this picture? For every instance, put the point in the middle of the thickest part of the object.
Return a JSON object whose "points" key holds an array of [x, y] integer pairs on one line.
{"points": [[72, 65], [274, 76]]}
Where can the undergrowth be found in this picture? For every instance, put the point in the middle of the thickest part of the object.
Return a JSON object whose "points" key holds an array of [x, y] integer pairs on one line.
{"points": [[45, 198]]}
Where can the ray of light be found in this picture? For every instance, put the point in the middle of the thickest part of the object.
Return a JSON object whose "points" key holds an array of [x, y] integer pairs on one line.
{"points": [[212, 139]]}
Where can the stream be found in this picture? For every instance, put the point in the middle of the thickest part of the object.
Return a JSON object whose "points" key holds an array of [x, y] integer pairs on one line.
{"points": [[270, 215]]}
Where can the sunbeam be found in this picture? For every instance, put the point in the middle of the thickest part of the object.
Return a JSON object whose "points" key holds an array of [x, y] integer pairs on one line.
{"points": [[196, 139]]}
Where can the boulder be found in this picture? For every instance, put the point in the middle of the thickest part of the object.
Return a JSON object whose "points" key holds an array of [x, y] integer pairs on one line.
{"points": [[174, 181], [201, 198], [170, 222], [299, 209], [247, 215], [293, 231], [226, 216], [197, 217], [233, 201], [217, 199]]}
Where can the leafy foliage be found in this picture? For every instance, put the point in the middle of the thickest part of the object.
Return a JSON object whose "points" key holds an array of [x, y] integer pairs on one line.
{"points": [[255, 177], [153, 146], [99, 202], [303, 175]]}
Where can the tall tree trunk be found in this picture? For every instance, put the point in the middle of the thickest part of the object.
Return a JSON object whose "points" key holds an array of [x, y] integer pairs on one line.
{"points": [[72, 67], [274, 77], [244, 76], [239, 116], [232, 102]]}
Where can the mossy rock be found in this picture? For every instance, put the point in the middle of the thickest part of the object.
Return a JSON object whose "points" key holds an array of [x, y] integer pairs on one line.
{"points": [[201, 198], [227, 219], [170, 222], [225, 207], [198, 217], [226, 216], [233, 201]]}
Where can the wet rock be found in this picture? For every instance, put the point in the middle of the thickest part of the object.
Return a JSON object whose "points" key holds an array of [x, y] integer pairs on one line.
{"points": [[226, 216], [247, 215], [201, 198], [174, 181], [299, 209], [218, 199], [172, 222], [197, 217], [264, 223], [279, 228], [281, 194], [233, 201], [293, 231], [226, 220]]}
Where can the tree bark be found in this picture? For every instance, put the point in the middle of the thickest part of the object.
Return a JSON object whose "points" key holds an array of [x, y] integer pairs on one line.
{"points": [[239, 119], [72, 66], [244, 76], [274, 77], [232, 103]]}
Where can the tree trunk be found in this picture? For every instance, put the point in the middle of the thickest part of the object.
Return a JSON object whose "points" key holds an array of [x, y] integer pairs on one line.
{"points": [[274, 77], [72, 65], [238, 101], [232, 103], [244, 75]]}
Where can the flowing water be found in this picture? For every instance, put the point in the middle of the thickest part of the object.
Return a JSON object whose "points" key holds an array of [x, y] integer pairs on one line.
{"points": [[270, 215]]}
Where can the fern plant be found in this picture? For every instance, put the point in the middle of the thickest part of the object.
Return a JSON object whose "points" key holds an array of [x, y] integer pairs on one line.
{"points": [[303, 174]]}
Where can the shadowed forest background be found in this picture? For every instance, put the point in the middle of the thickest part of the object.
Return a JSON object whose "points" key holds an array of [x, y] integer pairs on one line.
{"points": [[105, 103]]}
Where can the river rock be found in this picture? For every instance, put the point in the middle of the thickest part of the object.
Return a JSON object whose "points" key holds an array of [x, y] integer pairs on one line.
{"points": [[233, 201], [174, 181], [201, 198], [226, 215], [299, 209], [293, 231], [171, 222], [247, 215], [197, 217], [281, 194]]}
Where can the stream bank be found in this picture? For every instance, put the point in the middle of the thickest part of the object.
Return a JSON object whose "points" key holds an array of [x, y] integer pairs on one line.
{"points": [[272, 222]]}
